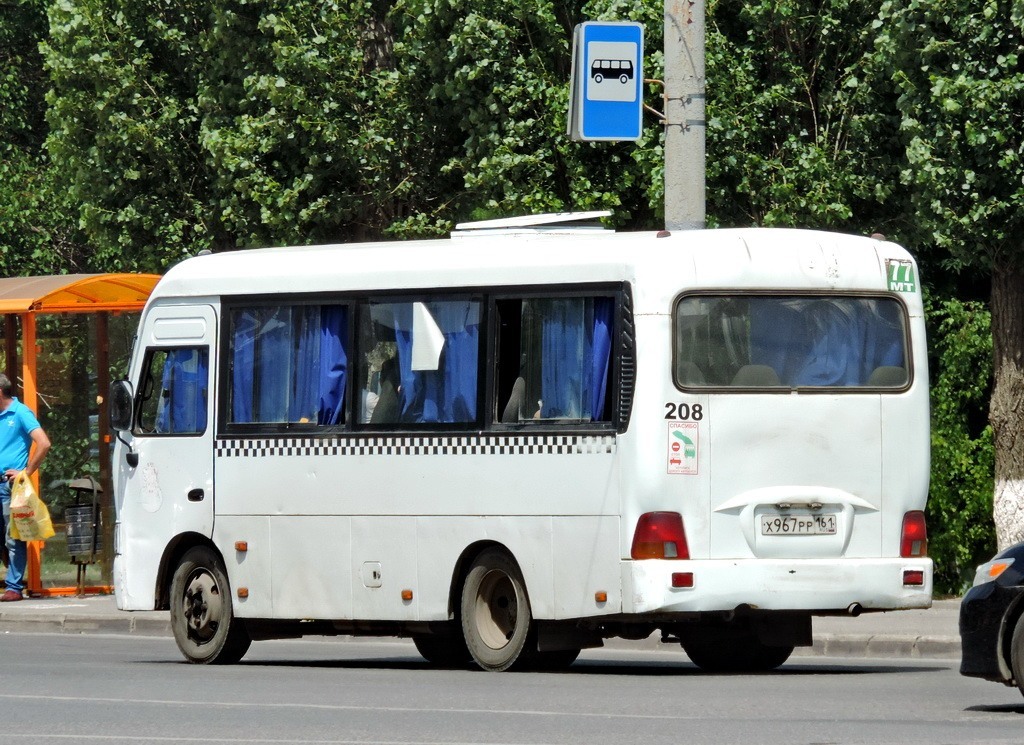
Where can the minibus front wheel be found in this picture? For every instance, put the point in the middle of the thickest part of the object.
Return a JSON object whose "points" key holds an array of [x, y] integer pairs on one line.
{"points": [[202, 619], [495, 609]]}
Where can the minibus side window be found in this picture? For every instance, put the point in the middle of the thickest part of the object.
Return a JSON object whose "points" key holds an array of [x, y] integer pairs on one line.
{"points": [[787, 342], [419, 362], [555, 360], [287, 364], [173, 392]]}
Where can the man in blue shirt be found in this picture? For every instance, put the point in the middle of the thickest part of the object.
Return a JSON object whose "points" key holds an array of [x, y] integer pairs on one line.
{"points": [[19, 431]]}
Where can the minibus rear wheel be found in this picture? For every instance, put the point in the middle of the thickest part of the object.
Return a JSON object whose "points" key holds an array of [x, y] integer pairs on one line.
{"points": [[496, 614], [202, 618], [443, 651], [744, 653]]}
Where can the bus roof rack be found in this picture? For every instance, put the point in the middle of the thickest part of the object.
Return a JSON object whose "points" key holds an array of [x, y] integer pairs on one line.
{"points": [[554, 222]]}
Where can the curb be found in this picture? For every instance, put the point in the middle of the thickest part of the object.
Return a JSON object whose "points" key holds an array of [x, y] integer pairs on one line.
{"points": [[883, 645], [865, 646], [825, 645], [77, 624]]}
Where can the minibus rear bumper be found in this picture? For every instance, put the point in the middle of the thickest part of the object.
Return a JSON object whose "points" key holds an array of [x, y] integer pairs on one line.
{"points": [[825, 585]]}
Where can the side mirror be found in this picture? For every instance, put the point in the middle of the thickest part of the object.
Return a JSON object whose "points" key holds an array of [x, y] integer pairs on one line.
{"points": [[121, 405]]}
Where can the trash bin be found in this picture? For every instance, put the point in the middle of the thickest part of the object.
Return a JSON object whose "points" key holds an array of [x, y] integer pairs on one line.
{"points": [[84, 539], [83, 526]]}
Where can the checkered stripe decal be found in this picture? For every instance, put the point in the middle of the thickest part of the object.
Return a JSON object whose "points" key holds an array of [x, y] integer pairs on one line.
{"points": [[417, 445]]}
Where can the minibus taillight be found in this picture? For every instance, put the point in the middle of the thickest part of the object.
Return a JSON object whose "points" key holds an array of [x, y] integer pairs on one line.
{"points": [[914, 541], [660, 535]]}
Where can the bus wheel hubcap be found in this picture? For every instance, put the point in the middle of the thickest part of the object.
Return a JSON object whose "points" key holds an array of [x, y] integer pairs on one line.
{"points": [[497, 609], [202, 607]]}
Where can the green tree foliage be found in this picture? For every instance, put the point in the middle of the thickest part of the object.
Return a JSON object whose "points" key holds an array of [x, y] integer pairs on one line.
{"points": [[36, 235], [248, 122], [492, 77], [960, 502], [960, 78], [307, 129], [794, 135], [125, 126]]}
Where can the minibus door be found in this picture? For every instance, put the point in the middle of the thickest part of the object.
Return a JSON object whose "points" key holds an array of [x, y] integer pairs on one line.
{"points": [[168, 482]]}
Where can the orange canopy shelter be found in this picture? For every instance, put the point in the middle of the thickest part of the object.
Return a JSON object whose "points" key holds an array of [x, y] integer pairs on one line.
{"points": [[27, 297], [76, 293]]}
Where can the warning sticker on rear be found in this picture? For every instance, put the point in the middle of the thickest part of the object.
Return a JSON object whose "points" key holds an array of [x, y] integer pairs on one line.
{"points": [[682, 448]]}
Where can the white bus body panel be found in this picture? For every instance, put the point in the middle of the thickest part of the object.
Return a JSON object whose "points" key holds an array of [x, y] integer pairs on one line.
{"points": [[354, 519], [356, 567]]}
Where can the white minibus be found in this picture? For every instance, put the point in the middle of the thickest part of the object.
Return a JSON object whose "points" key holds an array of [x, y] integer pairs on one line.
{"points": [[514, 443]]}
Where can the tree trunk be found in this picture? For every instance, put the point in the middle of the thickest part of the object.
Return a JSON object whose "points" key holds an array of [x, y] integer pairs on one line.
{"points": [[1007, 408]]}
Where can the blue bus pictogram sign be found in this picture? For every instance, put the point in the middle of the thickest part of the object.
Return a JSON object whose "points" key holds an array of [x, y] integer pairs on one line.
{"points": [[607, 79]]}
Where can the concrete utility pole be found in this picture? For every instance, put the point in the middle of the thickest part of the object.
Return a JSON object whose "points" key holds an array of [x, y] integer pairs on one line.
{"points": [[685, 125]]}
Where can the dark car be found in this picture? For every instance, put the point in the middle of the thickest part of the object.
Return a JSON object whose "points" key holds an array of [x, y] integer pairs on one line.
{"points": [[992, 620]]}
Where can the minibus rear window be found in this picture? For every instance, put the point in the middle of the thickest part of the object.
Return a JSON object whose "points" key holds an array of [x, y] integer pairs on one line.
{"points": [[790, 342]]}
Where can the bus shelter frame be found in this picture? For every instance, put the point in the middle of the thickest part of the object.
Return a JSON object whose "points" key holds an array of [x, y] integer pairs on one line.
{"points": [[25, 298]]}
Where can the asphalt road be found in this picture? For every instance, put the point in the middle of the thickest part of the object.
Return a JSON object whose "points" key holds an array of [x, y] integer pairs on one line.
{"points": [[924, 633], [135, 689]]}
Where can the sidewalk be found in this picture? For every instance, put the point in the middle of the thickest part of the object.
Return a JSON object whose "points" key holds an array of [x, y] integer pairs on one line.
{"points": [[931, 633]]}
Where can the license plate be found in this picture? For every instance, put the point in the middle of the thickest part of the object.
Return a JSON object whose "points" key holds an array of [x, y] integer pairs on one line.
{"points": [[798, 524]]}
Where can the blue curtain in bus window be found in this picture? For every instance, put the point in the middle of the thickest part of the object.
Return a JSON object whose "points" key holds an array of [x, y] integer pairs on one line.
{"points": [[333, 364], [447, 394], [776, 336], [289, 364], [407, 379], [884, 338], [833, 357], [562, 355], [575, 355], [260, 364], [274, 357], [184, 383], [304, 386], [601, 355], [243, 364], [455, 393], [824, 342]]}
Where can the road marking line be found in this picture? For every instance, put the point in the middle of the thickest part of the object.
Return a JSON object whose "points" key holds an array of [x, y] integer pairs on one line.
{"points": [[341, 707]]}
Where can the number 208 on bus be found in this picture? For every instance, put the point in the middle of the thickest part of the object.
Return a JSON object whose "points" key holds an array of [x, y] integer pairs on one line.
{"points": [[517, 442]]}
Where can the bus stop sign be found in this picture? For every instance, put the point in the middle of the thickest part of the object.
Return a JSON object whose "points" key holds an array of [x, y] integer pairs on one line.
{"points": [[607, 78]]}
